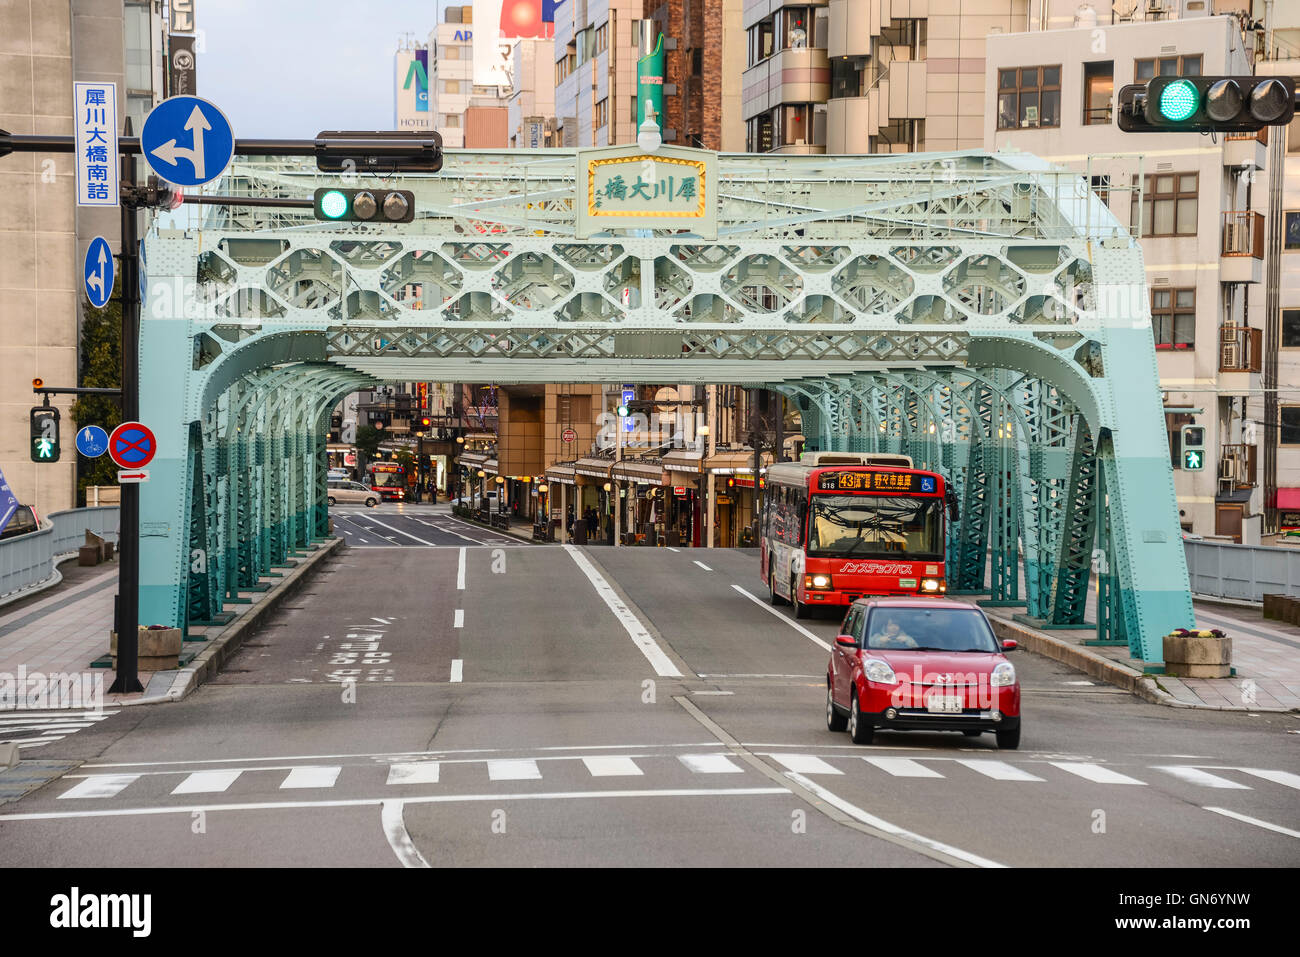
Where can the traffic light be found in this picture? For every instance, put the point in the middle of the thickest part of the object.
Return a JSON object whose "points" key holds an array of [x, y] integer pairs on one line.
{"points": [[160, 194], [1193, 448], [364, 205], [45, 434], [1225, 104], [624, 411], [425, 423]]}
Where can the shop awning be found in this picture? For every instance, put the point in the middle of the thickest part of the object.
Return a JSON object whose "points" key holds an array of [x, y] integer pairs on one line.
{"points": [[563, 474], [473, 460], [1288, 498], [682, 461], [731, 461], [649, 472], [593, 468]]}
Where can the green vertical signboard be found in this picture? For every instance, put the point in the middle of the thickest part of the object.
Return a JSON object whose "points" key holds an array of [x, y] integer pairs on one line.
{"points": [[650, 84]]}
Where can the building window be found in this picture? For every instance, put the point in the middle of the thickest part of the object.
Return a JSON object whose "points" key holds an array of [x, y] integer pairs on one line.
{"points": [[697, 62], [1173, 318], [1293, 136], [760, 41], [1169, 207], [1290, 420], [1291, 236], [449, 52], [451, 121], [601, 115], [451, 86], [1167, 66], [1291, 328], [1029, 97], [602, 38], [1101, 186], [795, 23], [1098, 86], [759, 134]]}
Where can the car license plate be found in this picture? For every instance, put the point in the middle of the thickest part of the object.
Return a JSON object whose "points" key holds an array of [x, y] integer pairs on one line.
{"points": [[944, 704]]}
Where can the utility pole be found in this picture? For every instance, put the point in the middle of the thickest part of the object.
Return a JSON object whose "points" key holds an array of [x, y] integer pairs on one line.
{"points": [[711, 422]]}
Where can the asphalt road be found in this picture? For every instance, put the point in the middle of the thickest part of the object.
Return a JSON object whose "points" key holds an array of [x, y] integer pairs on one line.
{"points": [[451, 703]]}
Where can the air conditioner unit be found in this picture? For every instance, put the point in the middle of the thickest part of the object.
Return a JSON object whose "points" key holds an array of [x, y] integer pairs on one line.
{"points": [[1230, 355], [1227, 333]]}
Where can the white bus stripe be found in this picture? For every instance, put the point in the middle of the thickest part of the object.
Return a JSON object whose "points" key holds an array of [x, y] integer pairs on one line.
{"points": [[997, 770], [903, 768], [1204, 778], [206, 782], [323, 777], [413, 772], [610, 767], [513, 769], [805, 764], [1095, 773], [99, 786]]}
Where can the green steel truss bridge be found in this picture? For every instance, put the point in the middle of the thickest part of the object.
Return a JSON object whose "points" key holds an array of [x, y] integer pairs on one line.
{"points": [[985, 314]]}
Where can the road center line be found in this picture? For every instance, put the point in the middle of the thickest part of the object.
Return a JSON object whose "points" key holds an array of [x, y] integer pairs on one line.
{"points": [[390, 815], [460, 570], [188, 808], [457, 669], [661, 663], [704, 566], [460, 618], [793, 624]]}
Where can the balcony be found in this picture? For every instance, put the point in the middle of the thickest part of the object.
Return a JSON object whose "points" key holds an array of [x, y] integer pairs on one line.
{"points": [[1236, 467], [1245, 149], [1241, 350], [1241, 246]]}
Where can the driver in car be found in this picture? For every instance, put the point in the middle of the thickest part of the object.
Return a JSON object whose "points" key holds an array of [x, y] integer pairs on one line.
{"points": [[892, 637]]}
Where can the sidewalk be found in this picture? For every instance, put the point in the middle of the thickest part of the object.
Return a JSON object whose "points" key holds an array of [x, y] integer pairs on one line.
{"points": [[68, 627], [1265, 656]]}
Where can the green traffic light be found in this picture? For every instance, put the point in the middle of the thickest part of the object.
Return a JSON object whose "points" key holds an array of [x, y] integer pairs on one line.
{"points": [[334, 204], [1179, 100], [1193, 461]]}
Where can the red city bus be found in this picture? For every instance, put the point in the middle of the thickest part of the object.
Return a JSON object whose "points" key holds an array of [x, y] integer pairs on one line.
{"points": [[840, 525], [388, 479]]}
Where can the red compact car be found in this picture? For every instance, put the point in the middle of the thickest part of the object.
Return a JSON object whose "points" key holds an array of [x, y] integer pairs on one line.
{"points": [[921, 663]]}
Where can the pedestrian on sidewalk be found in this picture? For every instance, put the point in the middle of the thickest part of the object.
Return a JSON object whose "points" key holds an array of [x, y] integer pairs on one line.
{"points": [[416, 495]]}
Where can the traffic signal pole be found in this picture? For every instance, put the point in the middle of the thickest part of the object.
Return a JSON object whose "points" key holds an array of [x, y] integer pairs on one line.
{"points": [[128, 538]]}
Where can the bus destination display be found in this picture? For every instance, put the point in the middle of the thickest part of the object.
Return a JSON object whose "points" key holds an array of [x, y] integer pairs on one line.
{"points": [[907, 482]]}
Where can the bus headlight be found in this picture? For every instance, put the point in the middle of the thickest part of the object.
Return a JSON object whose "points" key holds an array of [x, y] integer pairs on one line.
{"points": [[818, 582], [933, 585]]}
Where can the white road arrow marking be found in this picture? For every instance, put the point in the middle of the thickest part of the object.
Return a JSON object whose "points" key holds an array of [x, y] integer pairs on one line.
{"points": [[168, 152]]}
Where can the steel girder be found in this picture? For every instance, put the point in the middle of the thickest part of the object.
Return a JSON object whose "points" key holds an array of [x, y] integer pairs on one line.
{"points": [[990, 313]]}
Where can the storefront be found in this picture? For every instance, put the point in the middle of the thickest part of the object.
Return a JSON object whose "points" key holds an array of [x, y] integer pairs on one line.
{"points": [[682, 478], [1288, 514], [640, 494], [732, 474]]}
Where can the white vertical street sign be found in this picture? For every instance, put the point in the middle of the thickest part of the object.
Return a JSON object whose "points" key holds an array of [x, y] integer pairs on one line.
{"points": [[94, 117]]}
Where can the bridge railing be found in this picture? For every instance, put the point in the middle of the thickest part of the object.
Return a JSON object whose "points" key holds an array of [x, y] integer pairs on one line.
{"points": [[1242, 572], [28, 560]]}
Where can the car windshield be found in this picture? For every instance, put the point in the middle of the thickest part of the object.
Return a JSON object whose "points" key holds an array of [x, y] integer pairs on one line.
{"points": [[930, 629], [876, 526]]}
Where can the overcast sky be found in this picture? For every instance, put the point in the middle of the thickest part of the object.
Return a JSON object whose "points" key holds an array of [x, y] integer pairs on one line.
{"points": [[291, 68]]}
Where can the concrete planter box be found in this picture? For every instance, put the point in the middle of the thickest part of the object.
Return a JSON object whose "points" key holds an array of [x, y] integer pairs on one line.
{"points": [[1198, 656], [159, 649]]}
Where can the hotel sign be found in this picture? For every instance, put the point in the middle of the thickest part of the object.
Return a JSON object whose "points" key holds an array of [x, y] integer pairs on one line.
{"points": [[623, 187]]}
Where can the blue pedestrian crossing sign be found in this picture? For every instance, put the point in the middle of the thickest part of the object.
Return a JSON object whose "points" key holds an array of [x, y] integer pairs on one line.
{"points": [[92, 441], [187, 141], [98, 272]]}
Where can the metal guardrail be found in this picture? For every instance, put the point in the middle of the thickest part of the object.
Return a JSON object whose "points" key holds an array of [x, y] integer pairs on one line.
{"points": [[27, 560], [1242, 572]]}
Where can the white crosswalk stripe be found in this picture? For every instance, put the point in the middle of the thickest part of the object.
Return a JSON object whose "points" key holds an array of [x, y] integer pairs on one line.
{"points": [[1202, 777], [1095, 773], [655, 768], [34, 729]]}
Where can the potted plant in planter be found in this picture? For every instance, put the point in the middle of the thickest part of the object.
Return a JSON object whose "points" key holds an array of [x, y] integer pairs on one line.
{"points": [[1198, 653]]}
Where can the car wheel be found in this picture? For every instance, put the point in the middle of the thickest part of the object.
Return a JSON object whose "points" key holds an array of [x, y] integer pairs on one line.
{"points": [[834, 720], [801, 609], [860, 730], [773, 597], [330, 500], [1008, 740], [972, 734], [371, 502]]}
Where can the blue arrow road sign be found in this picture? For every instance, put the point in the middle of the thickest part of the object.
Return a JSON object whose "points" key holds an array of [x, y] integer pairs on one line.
{"points": [[92, 441], [99, 272], [187, 141]]}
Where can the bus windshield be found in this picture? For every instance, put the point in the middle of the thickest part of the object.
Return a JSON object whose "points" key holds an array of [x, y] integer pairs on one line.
{"points": [[876, 526], [387, 478]]}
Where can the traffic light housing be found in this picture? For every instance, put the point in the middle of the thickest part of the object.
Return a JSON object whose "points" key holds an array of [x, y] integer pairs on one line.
{"points": [[45, 434], [1200, 104], [1193, 448], [364, 205], [425, 423]]}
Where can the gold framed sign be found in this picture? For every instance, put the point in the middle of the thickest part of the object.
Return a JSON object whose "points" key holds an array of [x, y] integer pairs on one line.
{"points": [[624, 187]]}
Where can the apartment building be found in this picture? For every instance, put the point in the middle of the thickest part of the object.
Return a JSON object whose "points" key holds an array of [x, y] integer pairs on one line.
{"points": [[869, 76], [451, 77], [1198, 203], [532, 123], [595, 71]]}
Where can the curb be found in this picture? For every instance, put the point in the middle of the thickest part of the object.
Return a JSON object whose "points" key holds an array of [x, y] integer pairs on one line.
{"points": [[1146, 687], [209, 662]]}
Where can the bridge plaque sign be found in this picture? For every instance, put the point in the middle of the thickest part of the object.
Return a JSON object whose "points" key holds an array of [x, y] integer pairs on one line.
{"points": [[624, 187]]}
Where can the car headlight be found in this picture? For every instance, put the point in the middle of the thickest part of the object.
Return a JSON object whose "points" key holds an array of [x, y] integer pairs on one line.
{"points": [[1003, 675], [880, 672], [933, 585]]}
